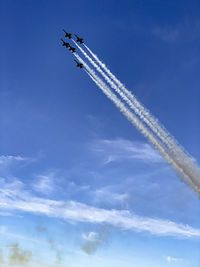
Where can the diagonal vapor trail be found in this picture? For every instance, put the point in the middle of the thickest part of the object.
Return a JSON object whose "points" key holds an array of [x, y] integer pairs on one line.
{"points": [[152, 122], [123, 95], [182, 158], [132, 118]]}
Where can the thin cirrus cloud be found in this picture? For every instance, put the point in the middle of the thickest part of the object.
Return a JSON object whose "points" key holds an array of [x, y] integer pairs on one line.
{"points": [[119, 149], [44, 183], [106, 195], [52, 182], [7, 160], [171, 259], [72, 211]]}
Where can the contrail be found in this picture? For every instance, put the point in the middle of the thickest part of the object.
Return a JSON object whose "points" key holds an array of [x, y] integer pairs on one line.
{"points": [[179, 154], [119, 91], [132, 118], [153, 122], [123, 95]]}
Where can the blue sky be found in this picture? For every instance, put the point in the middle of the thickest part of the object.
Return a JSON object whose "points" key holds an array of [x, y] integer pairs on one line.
{"points": [[79, 185]]}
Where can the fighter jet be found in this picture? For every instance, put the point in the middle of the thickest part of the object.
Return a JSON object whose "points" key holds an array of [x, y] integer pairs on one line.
{"points": [[64, 43], [67, 34], [72, 49], [79, 39], [78, 64]]}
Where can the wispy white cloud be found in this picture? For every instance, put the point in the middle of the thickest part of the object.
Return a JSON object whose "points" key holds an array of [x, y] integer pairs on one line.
{"points": [[170, 259], [45, 183], [24, 201], [6, 160], [122, 149], [91, 236], [106, 195], [54, 181], [8, 188]]}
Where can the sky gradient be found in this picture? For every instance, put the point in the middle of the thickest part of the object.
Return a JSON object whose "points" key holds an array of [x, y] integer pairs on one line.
{"points": [[79, 185]]}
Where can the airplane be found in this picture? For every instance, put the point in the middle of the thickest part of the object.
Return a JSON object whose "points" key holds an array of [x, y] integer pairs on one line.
{"points": [[67, 34], [79, 39], [72, 49], [64, 43], [78, 64]]}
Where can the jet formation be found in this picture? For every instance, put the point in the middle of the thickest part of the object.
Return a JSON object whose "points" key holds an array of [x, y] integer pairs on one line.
{"points": [[72, 49]]}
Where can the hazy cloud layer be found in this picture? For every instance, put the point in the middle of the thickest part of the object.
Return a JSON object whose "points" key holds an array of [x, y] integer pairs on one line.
{"points": [[12, 199]]}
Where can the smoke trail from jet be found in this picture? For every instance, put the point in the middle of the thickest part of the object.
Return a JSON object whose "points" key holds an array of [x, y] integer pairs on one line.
{"points": [[123, 95], [109, 81], [132, 118], [180, 155], [119, 91], [152, 122]]}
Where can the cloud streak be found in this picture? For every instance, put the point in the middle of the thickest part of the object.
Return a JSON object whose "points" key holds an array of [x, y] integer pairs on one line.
{"points": [[106, 196], [9, 159], [23, 201], [122, 149]]}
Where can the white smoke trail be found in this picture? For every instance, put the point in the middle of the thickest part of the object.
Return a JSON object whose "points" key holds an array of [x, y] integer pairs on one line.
{"points": [[123, 95], [152, 122], [109, 81], [132, 118], [179, 154], [119, 91]]}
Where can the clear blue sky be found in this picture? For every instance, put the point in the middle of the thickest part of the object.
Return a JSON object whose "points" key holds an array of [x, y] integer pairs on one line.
{"points": [[79, 185]]}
